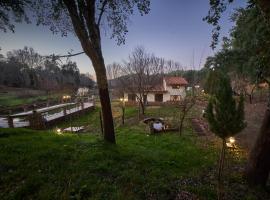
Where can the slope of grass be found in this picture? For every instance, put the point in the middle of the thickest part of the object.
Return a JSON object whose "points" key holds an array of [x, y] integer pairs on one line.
{"points": [[44, 165]]}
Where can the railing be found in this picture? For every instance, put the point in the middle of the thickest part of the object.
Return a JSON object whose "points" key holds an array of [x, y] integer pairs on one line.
{"points": [[38, 118]]}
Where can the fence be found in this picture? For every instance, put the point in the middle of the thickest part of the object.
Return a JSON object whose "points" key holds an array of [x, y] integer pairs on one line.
{"points": [[45, 117]]}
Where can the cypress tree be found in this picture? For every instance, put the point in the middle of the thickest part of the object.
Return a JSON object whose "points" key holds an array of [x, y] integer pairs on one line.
{"points": [[224, 115]]}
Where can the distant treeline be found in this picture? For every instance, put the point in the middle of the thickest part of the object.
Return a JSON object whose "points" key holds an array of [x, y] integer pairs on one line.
{"points": [[26, 68]]}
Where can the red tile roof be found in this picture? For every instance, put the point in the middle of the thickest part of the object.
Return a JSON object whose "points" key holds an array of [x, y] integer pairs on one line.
{"points": [[158, 88], [175, 80]]}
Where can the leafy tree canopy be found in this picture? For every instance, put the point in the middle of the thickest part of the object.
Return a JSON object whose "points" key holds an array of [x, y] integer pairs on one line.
{"points": [[113, 15], [246, 51]]}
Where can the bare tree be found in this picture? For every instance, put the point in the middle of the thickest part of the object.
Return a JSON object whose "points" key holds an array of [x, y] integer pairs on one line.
{"points": [[185, 106], [142, 73], [173, 68], [26, 56], [113, 70], [114, 74], [84, 18]]}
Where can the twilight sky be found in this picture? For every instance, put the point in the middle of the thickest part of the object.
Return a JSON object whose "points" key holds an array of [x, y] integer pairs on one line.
{"points": [[173, 30]]}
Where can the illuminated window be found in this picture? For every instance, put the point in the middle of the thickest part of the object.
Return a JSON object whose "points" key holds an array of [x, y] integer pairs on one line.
{"points": [[175, 86]]}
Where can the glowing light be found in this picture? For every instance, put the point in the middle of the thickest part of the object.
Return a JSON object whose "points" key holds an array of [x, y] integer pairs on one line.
{"points": [[232, 140], [66, 97], [229, 144], [121, 99], [58, 131]]}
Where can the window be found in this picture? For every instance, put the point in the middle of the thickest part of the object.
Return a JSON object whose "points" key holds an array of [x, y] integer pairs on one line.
{"points": [[159, 97], [175, 98], [131, 97], [175, 86]]}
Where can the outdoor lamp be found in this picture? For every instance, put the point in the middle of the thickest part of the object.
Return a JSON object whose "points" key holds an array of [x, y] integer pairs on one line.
{"points": [[232, 140]]}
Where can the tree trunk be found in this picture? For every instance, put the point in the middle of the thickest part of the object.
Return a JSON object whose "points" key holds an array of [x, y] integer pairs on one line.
{"points": [[250, 98], [258, 167], [181, 124], [106, 114], [88, 32], [142, 107], [105, 102], [220, 170]]}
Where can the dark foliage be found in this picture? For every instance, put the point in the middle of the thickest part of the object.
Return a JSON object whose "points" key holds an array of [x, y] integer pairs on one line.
{"points": [[27, 68], [225, 116]]}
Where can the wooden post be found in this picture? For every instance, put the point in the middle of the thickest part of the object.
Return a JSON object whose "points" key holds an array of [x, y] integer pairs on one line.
{"points": [[65, 111], [10, 121], [82, 105], [36, 121], [101, 123], [93, 100], [123, 115]]}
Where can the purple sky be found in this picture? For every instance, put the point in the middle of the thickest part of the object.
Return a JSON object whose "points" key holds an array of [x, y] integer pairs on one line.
{"points": [[173, 30]]}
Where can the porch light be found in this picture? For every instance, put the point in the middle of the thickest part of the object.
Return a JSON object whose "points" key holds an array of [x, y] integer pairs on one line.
{"points": [[123, 99], [66, 97]]}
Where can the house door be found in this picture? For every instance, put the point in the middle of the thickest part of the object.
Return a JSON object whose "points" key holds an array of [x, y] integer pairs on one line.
{"points": [[144, 99], [159, 97]]}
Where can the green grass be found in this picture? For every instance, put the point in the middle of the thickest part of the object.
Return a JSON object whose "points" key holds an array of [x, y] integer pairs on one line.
{"points": [[11, 100], [43, 165]]}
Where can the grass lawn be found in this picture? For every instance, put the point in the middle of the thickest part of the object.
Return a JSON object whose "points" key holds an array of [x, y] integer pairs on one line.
{"points": [[48, 166], [11, 100], [44, 165]]}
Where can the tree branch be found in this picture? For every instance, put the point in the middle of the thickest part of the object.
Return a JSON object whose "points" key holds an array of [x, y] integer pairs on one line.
{"points": [[101, 11], [65, 56], [80, 29]]}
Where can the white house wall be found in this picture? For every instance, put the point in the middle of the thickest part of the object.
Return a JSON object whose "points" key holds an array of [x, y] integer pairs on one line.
{"points": [[125, 95], [150, 97], [166, 97], [179, 91]]}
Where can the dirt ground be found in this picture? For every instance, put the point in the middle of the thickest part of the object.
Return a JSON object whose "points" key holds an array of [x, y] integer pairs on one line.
{"points": [[254, 114]]}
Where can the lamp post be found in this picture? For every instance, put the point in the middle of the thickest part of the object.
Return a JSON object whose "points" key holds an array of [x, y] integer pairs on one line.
{"points": [[123, 100]]}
